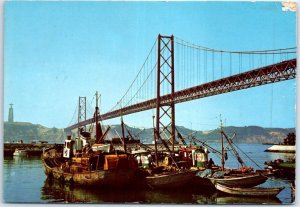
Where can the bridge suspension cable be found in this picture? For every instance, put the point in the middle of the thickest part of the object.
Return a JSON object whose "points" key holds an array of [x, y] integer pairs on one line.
{"points": [[197, 64], [200, 72], [74, 120], [143, 85], [270, 51]]}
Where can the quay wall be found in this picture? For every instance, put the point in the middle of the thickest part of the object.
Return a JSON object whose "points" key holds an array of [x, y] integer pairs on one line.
{"points": [[37, 149], [282, 148], [33, 149]]}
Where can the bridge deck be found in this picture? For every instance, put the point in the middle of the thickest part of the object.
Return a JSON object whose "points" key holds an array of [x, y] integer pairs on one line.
{"points": [[270, 74]]}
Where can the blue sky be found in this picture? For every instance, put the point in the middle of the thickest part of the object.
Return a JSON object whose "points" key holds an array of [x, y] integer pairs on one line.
{"points": [[57, 51]]}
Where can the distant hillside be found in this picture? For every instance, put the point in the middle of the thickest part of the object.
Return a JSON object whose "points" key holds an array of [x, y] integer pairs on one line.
{"points": [[28, 132], [248, 134], [251, 134]]}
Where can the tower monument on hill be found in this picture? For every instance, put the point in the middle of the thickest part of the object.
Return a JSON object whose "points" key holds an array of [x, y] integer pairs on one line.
{"points": [[11, 114]]}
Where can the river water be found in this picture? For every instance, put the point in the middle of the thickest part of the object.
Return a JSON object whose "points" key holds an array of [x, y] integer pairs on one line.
{"points": [[25, 182]]}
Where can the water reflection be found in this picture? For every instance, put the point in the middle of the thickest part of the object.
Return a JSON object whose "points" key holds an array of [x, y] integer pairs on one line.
{"points": [[21, 160], [219, 198], [55, 192], [24, 181]]}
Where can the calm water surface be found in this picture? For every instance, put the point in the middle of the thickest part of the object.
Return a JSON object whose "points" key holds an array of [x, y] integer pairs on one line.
{"points": [[25, 182]]}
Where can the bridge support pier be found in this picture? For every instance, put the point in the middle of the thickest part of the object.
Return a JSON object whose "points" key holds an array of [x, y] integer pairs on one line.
{"points": [[165, 113], [81, 111]]}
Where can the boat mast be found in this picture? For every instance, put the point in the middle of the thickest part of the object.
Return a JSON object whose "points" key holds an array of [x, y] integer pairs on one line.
{"points": [[96, 116], [221, 132], [155, 144], [123, 133]]}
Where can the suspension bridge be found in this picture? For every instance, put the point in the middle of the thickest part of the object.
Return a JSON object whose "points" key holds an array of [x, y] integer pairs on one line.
{"points": [[177, 71]]}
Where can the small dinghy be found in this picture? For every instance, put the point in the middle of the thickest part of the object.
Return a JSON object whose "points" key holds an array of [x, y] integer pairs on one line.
{"points": [[255, 191]]}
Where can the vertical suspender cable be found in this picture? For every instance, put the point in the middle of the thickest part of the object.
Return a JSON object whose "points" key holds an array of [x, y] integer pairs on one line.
{"points": [[230, 65], [205, 69], [199, 68], [193, 62], [213, 65], [221, 65], [241, 62]]}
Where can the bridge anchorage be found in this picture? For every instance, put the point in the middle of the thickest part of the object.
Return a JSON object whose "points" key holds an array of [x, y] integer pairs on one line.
{"points": [[200, 72]]}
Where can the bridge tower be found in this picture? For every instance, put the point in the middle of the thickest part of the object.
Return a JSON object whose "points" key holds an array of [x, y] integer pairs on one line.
{"points": [[82, 110], [165, 113], [11, 114]]}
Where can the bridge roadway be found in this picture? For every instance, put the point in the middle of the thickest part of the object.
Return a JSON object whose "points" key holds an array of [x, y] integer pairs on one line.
{"points": [[269, 74]]}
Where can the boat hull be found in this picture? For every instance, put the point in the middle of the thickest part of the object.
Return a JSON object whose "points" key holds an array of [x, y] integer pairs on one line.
{"points": [[170, 180], [113, 178], [266, 192], [245, 181]]}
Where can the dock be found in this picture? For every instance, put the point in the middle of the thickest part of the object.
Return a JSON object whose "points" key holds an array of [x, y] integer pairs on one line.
{"points": [[32, 149], [37, 149]]}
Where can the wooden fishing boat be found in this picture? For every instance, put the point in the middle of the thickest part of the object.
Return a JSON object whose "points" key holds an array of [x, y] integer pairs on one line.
{"points": [[170, 174], [255, 191], [116, 170], [170, 179], [244, 177], [88, 161]]}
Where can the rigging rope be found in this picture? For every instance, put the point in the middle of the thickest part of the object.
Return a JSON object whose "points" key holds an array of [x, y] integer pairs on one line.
{"points": [[246, 155]]}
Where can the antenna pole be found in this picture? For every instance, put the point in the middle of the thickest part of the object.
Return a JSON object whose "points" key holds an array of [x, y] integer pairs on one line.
{"points": [[123, 132]]}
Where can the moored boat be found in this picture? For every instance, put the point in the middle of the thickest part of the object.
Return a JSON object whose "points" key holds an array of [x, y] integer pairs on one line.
{"points": [[242, 181], [20, 152], [230, 178], [281, 168], [242, 177], [115, 170], [88, 161], [254, 191], [170, 174], [170, 179]]}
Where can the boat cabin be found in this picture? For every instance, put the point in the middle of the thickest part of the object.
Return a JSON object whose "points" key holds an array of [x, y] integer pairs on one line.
{"points": [[68, 147], [142, 157], [200, 157]]}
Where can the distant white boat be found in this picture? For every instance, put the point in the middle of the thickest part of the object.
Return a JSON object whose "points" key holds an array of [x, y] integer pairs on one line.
{"points": [[20, 152]]}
